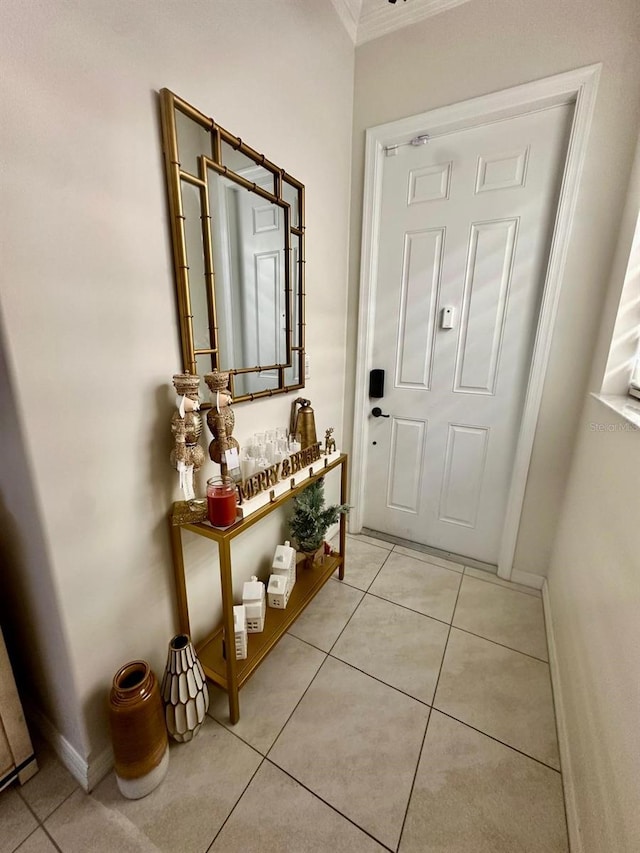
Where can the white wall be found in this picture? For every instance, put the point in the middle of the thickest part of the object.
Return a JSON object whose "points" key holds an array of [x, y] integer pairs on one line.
{"points": [[481, 47], [29, 598], [88, 293], [594, 590], [594, 582]]}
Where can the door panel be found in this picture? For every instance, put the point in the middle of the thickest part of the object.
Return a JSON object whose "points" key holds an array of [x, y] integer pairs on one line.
{"points": [[430, 183], [484, 305], [418, 307], [502, 171], [406, 461], [465, 223], [464, 466]]}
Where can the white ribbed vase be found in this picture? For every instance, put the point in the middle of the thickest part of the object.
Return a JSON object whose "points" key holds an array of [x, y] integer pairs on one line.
{"points": [[184, 690]]}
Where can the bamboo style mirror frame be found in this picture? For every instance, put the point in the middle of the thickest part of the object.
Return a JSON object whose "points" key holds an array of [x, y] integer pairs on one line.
{"points": [[237, 227]]}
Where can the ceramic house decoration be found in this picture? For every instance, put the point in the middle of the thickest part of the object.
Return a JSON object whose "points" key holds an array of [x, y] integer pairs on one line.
{"points": [[278, 591], [255, 605], [240, 631], [284, 563]]}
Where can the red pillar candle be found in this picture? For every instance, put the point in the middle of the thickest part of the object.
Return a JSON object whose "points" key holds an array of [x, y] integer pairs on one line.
{"points": [[221, 501]]}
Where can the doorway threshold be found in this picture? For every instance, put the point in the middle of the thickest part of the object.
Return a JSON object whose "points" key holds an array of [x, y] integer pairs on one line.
{"points": [[435, 552]]}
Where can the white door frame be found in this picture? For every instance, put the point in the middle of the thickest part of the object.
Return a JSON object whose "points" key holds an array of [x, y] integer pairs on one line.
{"points": [[573, 87]]}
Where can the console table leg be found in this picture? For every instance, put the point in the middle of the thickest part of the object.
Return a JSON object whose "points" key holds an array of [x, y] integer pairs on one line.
{"points": [[343, 518], [178, 570], [234, 704], [226, 583]]}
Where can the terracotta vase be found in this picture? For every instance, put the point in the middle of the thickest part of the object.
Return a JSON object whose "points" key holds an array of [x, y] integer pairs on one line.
{"points": [[138, 731], [184, 690]]}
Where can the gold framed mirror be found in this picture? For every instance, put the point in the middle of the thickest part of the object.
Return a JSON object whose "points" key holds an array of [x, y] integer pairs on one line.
{"points": [[237, 228]]}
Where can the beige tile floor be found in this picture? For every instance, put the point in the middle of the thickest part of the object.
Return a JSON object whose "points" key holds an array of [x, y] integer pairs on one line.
{"points": [[409, 709]]}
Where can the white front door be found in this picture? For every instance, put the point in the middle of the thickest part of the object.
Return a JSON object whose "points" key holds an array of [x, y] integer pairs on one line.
{"points": [[465, 228]]}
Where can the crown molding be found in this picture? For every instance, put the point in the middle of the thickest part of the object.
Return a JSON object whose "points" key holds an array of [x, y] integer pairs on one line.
{"points": [[349, 12], [390, 17]]}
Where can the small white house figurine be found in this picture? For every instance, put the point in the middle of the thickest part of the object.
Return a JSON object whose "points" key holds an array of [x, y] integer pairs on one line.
{"points": [[278, 591], [253, 598], [284, 563], [240, 631]]}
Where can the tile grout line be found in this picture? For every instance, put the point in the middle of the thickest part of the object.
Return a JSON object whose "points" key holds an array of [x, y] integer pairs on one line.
{"points": [[329, 805], [450, 624], [364, 592], [235, 805], [411, 609], [526, 755], [236, 735], [27, 804], [51, 838], [502, 645], [354, 538], [491, 578], [505, 585], [393, 686], [426, 729], [408, 543], [295, 708], [26, 838], [380, 681], [41, 822], [40, 826], [497, 740], [327, 655]]}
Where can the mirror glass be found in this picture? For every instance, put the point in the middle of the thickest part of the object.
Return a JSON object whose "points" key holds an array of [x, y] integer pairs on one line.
{"points": [[193, 236], [238, 243]]}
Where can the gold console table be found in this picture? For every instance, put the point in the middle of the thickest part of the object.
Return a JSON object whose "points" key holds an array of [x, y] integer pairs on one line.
{"points": [[225, 671]]}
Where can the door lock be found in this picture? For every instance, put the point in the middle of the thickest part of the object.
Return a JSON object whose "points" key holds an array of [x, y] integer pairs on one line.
{"points": [[377, 412]]}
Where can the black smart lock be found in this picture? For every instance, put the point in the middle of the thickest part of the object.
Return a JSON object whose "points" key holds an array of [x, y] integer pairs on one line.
{"points": [[376, 383]]}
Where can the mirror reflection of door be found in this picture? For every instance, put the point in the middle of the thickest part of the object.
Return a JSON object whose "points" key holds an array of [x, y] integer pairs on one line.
{"points": [[249, 259]]}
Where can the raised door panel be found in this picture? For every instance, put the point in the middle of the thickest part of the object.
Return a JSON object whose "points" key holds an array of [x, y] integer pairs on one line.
{"points": [[464, 470], [406, 464], [484, 305], [421, 271]]}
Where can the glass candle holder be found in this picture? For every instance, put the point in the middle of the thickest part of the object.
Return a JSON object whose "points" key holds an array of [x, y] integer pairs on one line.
{"points": [[221, 501], [295, 442]]}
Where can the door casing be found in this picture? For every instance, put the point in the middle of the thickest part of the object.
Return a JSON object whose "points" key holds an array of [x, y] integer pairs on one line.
{"points": [[577, 87]]}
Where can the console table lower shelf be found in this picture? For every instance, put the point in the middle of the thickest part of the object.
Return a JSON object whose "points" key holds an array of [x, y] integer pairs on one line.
{"points": [[276, 623], [227, 672]]}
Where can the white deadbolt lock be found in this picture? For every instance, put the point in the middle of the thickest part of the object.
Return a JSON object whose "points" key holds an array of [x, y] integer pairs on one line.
{"points": [[447, 316]]}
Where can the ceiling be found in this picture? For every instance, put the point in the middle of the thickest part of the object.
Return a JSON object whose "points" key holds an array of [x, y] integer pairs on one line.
{"points": [[367, 19]]}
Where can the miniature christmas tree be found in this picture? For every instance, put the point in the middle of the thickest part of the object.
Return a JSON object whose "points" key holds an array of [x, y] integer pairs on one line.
{"points": [[311, 519]]}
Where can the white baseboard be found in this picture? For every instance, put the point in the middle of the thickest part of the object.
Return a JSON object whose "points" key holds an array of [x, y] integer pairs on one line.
{"points": [[573, 825], [86, 773], [527, 579]]}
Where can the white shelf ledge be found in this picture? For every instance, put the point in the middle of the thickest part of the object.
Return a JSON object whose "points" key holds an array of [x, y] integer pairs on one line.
{"points": [[627, 407]]}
